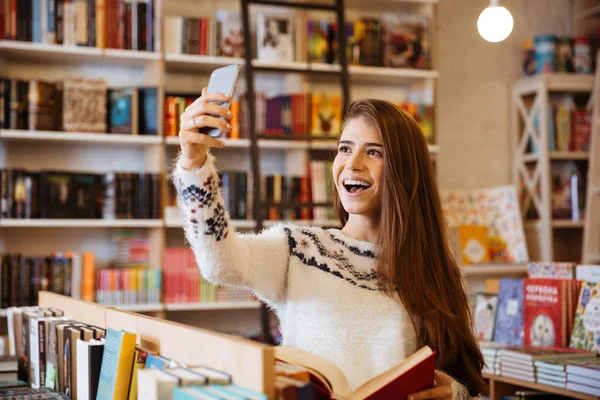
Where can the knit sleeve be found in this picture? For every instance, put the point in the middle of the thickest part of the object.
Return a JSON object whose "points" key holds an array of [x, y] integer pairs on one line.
{"points": [[460, 392], [258, 262]]}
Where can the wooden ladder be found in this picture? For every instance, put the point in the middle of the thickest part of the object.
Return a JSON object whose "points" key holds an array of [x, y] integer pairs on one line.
{"points": [[591, 232]]}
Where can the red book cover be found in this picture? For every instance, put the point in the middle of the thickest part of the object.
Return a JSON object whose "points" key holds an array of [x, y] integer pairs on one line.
{"points": [[2, 21], [13, 19], [545, 312], [416, 379], [582, 130]]}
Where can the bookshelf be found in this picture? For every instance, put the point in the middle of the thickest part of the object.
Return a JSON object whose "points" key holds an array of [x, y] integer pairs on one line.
{"points": [[187, 345], [501, 386], [548, 238], [184, 73]]}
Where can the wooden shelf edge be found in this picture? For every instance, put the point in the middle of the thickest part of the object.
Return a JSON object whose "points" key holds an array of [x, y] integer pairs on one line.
{"points": [[60, 136], [540, 387], [81, 223], [233, 305], [494, 269]]}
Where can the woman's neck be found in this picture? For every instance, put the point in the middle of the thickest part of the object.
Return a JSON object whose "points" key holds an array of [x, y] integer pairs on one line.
{"points": [[361, 227]]}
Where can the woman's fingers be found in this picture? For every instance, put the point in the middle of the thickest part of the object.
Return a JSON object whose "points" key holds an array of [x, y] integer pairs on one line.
{"points": [[204, 121], [199, 138], [206, 108]]}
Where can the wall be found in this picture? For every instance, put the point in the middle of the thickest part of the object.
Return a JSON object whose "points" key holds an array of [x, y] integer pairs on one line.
{"points": [[474, 88]]}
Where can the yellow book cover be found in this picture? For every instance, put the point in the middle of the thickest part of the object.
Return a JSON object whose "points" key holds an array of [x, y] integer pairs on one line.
{"points": [[473, 242], [326, 115], [139, 361], [117, 363]]}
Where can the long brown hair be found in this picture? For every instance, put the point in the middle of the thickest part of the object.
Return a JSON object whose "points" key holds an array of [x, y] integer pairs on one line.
{"points": [[415, 260]]}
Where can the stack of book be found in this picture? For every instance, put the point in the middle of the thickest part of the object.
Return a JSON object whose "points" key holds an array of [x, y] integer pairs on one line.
{"points": [[491, 357], [584, 376], [69, 274], [78, 105], [115, 24], [185, 284], [552, 372], [520, 362]]}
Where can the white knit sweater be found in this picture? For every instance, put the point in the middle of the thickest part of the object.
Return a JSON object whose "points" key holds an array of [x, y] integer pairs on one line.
{"points": [[321, 283]]}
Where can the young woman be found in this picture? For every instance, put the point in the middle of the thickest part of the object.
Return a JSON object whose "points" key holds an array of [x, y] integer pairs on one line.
{"points": [[366, 296]]}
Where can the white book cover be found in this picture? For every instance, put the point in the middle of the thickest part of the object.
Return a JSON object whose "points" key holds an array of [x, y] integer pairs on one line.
{"points": [[43, 21], [155, 384], [81, 22], [76, 276], [69, 24], [275, 38], [83, 373], [231, 33], [589, 273], [34, 353], [157, 26], [173, 34]]}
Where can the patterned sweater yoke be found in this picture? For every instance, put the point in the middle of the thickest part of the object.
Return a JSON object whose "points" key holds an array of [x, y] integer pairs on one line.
{"points": [[321, 283]]}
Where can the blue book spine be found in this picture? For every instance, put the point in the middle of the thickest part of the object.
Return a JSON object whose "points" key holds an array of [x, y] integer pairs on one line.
{"points": [[509, 315], [51, 21], [155, 361], [36, 14], [108, 371]]}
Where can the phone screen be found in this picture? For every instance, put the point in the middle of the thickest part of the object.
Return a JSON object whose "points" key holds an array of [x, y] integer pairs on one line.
{"points": [[222, 80]]}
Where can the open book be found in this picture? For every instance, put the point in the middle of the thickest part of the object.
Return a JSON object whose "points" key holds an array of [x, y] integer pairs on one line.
{"points": [[414, 374]]}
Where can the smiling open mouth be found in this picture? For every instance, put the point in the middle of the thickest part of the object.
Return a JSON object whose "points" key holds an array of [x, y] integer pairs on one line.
{"points": [[353, 186]]}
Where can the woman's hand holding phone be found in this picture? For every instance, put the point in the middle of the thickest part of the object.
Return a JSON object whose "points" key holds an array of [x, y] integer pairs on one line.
{"points": [[202, 113]]}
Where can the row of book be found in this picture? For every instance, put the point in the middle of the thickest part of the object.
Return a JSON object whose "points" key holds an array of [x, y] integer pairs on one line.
{"points": [[202, 36], [284, 196], [294, 114], [394, 40], [185, 284], [569, 127], [567, 54], [77, 105], [125, 286], [116, 24], [547, 309], [569, 369], [87, 362], [22, 277], [53, 194]]}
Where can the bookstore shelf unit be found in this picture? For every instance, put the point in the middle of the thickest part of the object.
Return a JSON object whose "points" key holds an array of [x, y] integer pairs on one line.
{"points": [[501, 386], [184, 73], [548, 238]]}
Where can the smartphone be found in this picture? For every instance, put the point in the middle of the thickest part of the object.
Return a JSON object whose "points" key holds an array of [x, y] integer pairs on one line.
{"points": [[222, 80]]}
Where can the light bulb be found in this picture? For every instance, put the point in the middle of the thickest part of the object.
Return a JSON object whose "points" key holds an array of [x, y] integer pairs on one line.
{"points": [[495, 23]]}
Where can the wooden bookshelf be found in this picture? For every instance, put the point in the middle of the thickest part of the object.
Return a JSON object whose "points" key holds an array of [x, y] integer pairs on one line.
{"points": [[174, 73], [500, 386], [531, 171], [251, 364]]}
